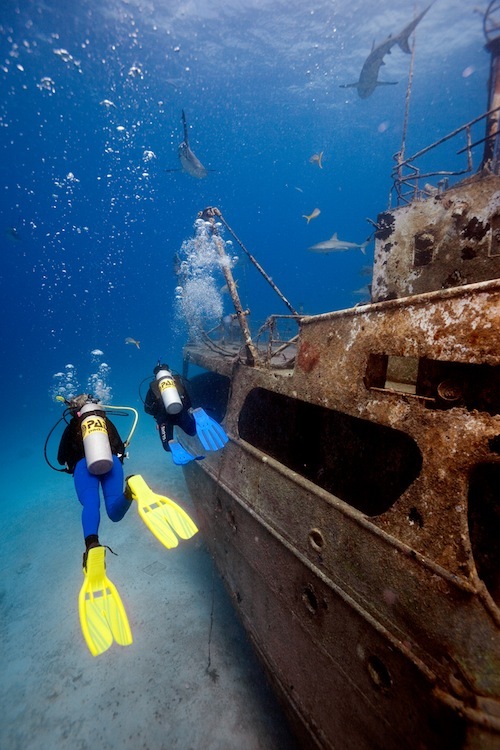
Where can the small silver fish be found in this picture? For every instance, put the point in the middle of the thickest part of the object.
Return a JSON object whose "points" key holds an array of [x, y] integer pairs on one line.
{"points": [[316, 159], [13, 234], [129, 340], [366, 271], [313, 215]]}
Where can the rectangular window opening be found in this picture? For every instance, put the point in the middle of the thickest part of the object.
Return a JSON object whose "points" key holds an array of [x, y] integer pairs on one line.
{"points": [[401, 374], [440, 384]]}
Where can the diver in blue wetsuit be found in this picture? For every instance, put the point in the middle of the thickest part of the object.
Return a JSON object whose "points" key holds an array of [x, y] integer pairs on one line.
{"points": [[92, 450], [72, 454]]}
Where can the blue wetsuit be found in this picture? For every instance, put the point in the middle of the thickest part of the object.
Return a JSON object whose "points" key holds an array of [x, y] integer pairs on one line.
{"points": [[87, 490], [87, 485]]}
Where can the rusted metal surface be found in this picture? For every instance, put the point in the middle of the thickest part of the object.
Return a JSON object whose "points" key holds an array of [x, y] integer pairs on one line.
{"points": [[388, 612], [336, 665], [447, 241], [334, 629], [352, 514]]}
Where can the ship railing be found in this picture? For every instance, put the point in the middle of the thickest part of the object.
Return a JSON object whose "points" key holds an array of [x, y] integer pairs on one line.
{"points": [[250, 352], [408, 178], [275, 341]]}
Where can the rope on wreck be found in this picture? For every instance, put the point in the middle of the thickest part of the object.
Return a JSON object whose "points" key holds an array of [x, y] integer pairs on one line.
{"points": [[401, 153], [257, 265]]}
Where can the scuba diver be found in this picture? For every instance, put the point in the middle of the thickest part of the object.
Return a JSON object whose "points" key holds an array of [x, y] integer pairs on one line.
{"points": [[168, 401], [92, 450]]}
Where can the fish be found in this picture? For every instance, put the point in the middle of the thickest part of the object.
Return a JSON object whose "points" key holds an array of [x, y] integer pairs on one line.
{"points": [[129, 340], [335, 245], [225, 289], [363, 291], [316, 159], [13, 233], [366, 271], [189, 161], [176, 83], [107, 103], [314, 214], [368, 78]]}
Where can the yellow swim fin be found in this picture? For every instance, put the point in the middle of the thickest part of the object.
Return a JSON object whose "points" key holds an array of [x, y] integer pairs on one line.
{"points": [[102, 614], [164, 518]]}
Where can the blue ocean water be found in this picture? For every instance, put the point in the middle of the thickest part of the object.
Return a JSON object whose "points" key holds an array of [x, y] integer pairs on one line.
{"points": [[91, 221]]}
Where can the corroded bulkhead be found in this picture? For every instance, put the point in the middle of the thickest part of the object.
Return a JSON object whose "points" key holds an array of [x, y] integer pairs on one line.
{"points": [[446, 241]]}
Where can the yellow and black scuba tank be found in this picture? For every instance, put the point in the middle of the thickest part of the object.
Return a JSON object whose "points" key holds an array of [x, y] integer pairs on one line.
{"points": [[95, 436], [168, 390]]}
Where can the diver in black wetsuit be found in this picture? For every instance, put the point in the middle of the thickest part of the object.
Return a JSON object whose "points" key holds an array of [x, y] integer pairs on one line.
{"points": [[153, 405]]}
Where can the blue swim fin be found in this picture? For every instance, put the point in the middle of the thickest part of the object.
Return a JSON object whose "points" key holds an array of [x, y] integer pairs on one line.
{"points": [[180, 456], [212, 435]]}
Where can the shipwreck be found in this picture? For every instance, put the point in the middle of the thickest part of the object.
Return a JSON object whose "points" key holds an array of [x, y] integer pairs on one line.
{"points": [[354, 514]]}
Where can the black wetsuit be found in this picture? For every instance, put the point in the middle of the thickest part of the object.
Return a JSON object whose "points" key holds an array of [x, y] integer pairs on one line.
{"points": [[153, 405]]}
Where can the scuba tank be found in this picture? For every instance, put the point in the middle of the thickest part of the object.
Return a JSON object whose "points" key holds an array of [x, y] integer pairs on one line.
{"points": [[95, 439], [169, 393]]}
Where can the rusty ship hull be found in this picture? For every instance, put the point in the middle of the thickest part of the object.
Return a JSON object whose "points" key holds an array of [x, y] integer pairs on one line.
{"points": [[354, 513], [379, 625], [350, 512]]}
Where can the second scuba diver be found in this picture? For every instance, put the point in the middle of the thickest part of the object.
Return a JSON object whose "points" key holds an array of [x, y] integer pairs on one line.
{"points": [[168, 401]]}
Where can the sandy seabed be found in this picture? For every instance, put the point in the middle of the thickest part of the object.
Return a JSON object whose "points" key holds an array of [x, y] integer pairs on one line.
{"points": [[155, 694]]}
